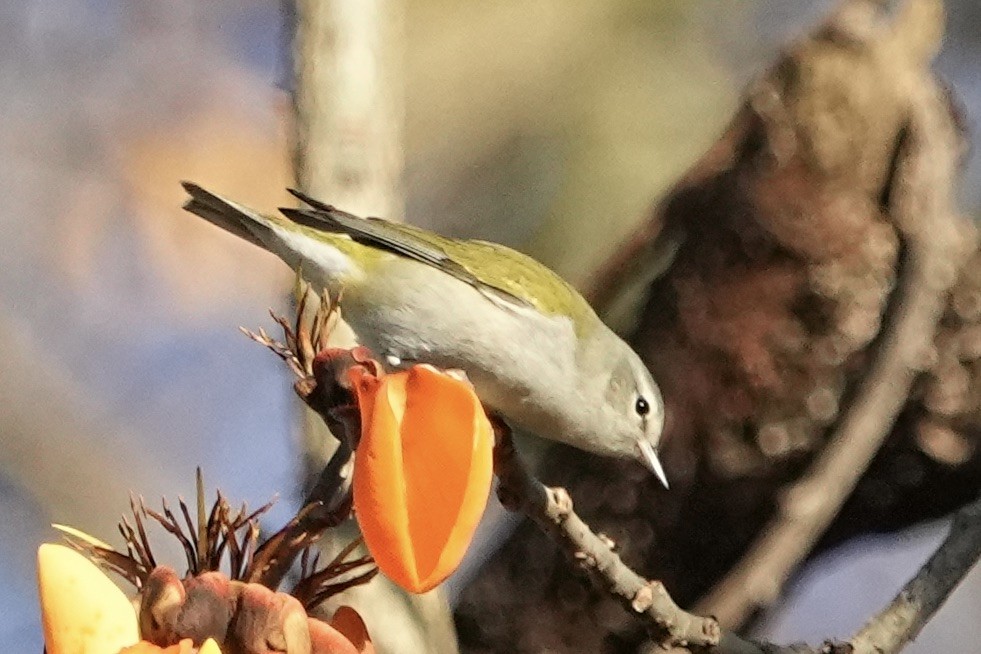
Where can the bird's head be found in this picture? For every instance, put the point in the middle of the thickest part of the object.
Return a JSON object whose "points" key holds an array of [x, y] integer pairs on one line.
{"points": [[631, 417]]}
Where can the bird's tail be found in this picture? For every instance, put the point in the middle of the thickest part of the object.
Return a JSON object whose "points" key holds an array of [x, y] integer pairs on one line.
{"points": [[322, 253], [230, 216]]}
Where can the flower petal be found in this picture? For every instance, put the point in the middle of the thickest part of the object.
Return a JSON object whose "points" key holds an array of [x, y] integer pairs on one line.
{"points": [[325, 639], [209, 647], [82, 610], [422, 472], [348, 622]]}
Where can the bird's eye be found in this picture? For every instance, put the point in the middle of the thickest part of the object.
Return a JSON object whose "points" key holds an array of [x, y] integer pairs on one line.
{"points": [[642, 406]]}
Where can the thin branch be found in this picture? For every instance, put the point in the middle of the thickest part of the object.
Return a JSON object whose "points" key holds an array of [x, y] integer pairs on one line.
{"points": [[887, 633], [307, 350], [348, 107], [924, 594], [551, 509]]}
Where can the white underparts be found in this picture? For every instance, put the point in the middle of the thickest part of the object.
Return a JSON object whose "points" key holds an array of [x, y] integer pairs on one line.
{"points": [[319, 260]]}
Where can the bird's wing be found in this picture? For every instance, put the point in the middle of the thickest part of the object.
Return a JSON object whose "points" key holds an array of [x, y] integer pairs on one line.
{"points": [[413, 243], [500, 273]]}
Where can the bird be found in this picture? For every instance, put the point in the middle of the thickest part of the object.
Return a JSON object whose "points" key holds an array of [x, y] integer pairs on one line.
{"points": [[537, 354]]}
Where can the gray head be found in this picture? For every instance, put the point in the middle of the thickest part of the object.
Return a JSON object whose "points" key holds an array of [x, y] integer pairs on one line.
{"points": [[634, 410], [649, 409]]}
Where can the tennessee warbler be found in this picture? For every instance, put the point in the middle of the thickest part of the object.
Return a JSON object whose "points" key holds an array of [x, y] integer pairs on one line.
{"points": [[535, 351]]}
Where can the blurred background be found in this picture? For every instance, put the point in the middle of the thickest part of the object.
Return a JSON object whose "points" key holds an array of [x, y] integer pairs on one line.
{"points": [[546, 125]]}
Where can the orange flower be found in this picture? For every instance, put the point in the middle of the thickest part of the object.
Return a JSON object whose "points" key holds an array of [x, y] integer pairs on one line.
{"points": [[422, 473]]}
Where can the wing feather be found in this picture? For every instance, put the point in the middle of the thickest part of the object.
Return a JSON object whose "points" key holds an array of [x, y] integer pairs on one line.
{"points": [[400, 239]]}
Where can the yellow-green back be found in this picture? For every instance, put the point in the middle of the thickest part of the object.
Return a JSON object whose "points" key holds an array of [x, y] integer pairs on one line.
{"points": [[515, 273], [489, 267]]}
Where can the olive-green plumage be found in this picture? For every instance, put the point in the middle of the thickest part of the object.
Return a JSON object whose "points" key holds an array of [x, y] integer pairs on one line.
{"points": [[533, 348], [512, 272], [485, 265]]}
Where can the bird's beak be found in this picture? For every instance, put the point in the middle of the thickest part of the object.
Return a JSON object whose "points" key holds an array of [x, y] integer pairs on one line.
{"points": [[653, 463]]}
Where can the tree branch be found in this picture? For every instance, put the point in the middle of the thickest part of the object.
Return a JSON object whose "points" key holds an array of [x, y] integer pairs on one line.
{"points": [[551, 509], [904, 618], [347, 102], [887, 633]]}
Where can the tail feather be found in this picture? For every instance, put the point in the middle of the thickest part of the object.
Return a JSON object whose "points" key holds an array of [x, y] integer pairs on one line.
{"points": [[313, 250], [230, 216], [313, 202]]}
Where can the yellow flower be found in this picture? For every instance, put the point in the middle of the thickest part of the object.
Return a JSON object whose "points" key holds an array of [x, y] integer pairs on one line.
{"points": [[84, 612]]}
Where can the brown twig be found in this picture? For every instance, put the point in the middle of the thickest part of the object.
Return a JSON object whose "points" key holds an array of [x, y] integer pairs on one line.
{"points": [[344, 572], [320, 383], [551, 509], [306, 351], [901, 621], [888, 632]]}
